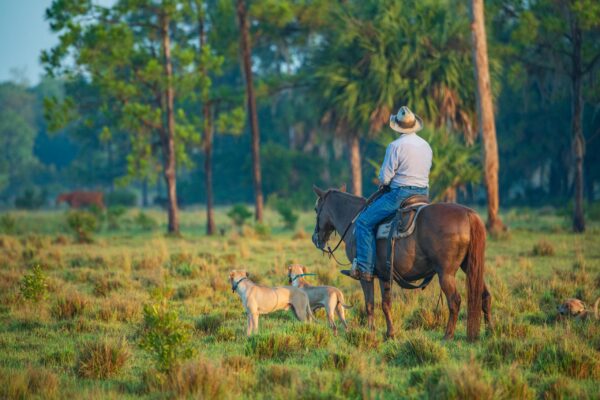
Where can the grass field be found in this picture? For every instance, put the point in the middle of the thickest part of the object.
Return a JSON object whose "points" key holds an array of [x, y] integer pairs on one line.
{"points": [[81, 338]]}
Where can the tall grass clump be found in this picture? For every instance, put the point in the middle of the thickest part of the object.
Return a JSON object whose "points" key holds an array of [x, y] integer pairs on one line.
{"points": [[415, 351], [210, 323], [33, 285], [272, 346], [543, 248], [199, 379], [69, 306], [31, 383], [459, 383], [101, 360], [8, 224], [82, 224], [165, 336], [574, 360]]}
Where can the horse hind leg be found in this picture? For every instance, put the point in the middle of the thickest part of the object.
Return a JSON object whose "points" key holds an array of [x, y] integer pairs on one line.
{"points": [[448, 285], [386, 305]]}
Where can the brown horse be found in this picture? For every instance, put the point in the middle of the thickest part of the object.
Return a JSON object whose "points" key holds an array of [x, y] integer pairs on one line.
{"points": [[82, 199], [447, 236]]}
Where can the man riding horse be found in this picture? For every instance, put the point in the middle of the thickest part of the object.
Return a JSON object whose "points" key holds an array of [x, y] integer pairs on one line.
{"points": [[404, 173], [445, 237]]}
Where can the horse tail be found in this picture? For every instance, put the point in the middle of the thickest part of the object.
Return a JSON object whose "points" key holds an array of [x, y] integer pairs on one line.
{"points": [[475, 260]]}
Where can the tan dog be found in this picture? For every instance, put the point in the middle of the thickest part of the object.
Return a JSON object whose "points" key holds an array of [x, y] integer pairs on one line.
{"points": [[329, 297], [259, 299], [577, 309]]}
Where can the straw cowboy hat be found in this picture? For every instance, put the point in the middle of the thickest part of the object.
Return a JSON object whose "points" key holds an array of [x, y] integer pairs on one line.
{"points": [[405, 121]]}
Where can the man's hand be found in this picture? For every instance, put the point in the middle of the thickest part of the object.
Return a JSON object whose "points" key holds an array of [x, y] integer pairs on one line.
{"points": [[384, 188]]}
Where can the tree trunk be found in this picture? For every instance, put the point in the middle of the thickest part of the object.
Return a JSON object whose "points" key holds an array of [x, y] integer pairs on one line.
{"points": [[208, 131], [208, 149], [247, 68], [355, 165], [485, 111], [578, 140], [168, 134]]}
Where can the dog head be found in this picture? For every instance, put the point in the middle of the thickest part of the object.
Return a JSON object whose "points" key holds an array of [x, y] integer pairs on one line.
{"points": [[236, 276], [571, 307], [294, 270]]}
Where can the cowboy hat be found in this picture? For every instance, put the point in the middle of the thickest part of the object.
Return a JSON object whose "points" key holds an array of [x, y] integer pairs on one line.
{"points": [[405, 121]]}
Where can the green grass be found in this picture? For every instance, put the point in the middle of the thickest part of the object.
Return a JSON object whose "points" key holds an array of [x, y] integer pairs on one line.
{"points": [[81, 339]]}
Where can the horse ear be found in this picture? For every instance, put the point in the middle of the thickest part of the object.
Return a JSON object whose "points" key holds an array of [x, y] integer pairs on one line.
{"points": [[343, 188], [318, 191]]}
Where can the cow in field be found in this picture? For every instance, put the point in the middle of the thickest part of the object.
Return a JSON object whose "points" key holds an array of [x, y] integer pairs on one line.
{"points": [[82, 199]]}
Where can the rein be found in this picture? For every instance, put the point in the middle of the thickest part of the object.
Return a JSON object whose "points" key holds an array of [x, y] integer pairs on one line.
{"points": [[370, 200]]}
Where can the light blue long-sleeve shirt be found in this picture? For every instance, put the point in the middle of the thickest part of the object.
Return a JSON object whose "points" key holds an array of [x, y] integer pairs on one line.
{"points": [[407, 162]]}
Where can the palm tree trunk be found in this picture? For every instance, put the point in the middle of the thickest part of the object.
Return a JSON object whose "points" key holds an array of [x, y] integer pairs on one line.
{"points": [[355, 168], [485, 111], [578, 141], [168, 134], [208, 131], [247, 68]]}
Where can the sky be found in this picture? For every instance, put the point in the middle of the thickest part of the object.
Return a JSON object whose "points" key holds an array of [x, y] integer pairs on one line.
{"points": [[23, 35]]}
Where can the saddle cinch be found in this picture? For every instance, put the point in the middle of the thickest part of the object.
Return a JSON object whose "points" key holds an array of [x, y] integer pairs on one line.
{"points": [[402, 224]]}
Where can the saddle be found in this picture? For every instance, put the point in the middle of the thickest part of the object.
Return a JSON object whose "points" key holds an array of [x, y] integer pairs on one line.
{"points": [[399, 226], [402, 224]]}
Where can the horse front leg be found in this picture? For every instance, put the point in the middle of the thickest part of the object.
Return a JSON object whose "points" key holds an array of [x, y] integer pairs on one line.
{"points": [[386, 305], [369, 293]]}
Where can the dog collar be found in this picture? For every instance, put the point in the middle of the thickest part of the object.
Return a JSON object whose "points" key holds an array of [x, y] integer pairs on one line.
{"points": [[235, 285], [300, 276]]}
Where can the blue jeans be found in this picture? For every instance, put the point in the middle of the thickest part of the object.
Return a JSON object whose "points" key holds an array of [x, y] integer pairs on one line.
{"points": [[366, 224]]}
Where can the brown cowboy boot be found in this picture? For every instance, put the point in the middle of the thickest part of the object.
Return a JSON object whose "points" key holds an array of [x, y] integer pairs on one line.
{"points": [[356, 273]]}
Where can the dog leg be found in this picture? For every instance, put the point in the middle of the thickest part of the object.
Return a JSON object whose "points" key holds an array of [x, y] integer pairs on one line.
{"points": [[339, 308], [331, 317], [255, 322], [249, 329]]}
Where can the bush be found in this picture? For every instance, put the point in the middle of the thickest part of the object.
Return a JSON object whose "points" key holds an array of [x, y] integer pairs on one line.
{"points": [[33, 285], [82, 224], [31, 199], [8, 224], [262, 230], [239, 214], [121, 197], [103, 359], [144, 221], [286, 212], [114, 215], [415, 352], [165, 336], [543, 248], [70, 306]]}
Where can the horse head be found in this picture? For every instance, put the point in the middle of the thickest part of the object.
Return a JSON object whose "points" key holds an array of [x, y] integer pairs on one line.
{"points": [[324, 224]]}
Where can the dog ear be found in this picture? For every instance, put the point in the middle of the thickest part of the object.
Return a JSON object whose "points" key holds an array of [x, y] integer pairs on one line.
{"points": [[318, 191], [289, 268], [303, 269], [343, 188], [247, 275], [231, 275]]}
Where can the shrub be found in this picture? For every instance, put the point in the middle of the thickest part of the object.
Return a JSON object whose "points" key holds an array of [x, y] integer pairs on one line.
{"points": [[239, 214], [69, 306], [165, 336], [103, 359], [114, 215], [414, 352], [31, 199], [543, 248], [210, 323], [286, 212], [82, 224], [145, 222], [33, 285], [121, 197], [8, 223], [262, 230]]}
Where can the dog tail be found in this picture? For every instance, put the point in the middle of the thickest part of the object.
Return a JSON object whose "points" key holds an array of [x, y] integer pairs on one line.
{"points": [[341, 300]]}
